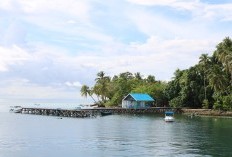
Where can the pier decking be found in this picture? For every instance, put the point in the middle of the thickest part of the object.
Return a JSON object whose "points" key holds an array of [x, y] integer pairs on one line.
{"points": [[82, 113]]}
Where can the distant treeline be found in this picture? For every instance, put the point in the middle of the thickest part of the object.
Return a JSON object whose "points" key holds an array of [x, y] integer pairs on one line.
{"points": [[208, 84]]}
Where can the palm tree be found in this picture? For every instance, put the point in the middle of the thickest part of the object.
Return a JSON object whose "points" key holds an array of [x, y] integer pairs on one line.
{"points": [[217, 79], [100, 87], [224, 55], [138, 76], [177, 74], [85, 91], [204, 61], [126, 75], [228, 65], [223, 49], [150, 79], [101, 77]]}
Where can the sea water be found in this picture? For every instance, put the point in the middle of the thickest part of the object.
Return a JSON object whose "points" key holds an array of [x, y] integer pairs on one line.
{"points": [[23, 135]]}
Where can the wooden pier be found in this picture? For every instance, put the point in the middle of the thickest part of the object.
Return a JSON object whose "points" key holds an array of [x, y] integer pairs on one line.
{"points": [[82, 113]]}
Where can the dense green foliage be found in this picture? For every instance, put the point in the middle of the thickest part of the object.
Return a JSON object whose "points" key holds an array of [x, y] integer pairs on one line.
{"points": [[111, 91], [208, 84]]}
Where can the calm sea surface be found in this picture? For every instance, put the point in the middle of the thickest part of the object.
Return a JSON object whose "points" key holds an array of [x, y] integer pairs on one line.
{"points": [[113, 136]]}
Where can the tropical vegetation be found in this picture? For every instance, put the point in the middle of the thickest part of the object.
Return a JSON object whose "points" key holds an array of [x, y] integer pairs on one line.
{"points": [[110, 91], [207, 84]]}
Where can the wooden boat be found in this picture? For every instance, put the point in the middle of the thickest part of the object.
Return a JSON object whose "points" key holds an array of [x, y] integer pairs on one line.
{"points": [[169, 116], [105, 113]]}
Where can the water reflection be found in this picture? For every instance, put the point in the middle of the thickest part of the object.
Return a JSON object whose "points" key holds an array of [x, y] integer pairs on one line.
{"points": [[116, 135]]}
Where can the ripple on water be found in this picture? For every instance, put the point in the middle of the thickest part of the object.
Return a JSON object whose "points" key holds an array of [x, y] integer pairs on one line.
{"points": [[116, 135]]}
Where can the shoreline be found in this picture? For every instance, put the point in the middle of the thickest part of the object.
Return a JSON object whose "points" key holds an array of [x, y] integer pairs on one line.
{"points": [[119, 110], [206, 112]]}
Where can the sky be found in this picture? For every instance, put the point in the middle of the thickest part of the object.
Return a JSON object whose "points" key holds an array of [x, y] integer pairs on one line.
{"points": [[50, 48]]}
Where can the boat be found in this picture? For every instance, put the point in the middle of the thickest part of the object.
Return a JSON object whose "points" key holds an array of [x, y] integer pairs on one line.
{"points": [[106, 113], [86, 106], [169, 116], [16, 109], [77, 108]]}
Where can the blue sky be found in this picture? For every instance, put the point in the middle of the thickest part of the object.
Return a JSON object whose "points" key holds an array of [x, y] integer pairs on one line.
{"points": [[49, 48]]}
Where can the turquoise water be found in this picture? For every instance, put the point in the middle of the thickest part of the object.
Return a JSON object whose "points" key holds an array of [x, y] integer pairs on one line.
{"points": [[113, 136]]}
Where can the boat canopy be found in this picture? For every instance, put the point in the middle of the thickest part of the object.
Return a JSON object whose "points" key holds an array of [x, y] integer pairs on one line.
{"points": [[169, 113]]}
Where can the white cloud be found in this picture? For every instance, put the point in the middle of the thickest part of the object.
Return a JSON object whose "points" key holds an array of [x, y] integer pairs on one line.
{"points": [[202, 24], [162, 58], [73, 84], [77, 8], [221, 11], [61, 44], [23, 89], [12, 56], [154, 44], [158, 25], [45, 72], [156, 56], [70, 17], [6, 5], [196, 7], [26, 75], [178, 4]]}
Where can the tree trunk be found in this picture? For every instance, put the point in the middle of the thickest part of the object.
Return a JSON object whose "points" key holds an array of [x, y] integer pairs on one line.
{"points": [[204, 87], [93, 99], [231, 78]]}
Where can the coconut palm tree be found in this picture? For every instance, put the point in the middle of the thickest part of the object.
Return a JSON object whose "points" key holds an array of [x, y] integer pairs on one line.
{"points": [[204, 62], [150, 79], [101, 77], [223, 49], [217, 79], [138, 76], [101, 86], [85, 91], [224, 55]]}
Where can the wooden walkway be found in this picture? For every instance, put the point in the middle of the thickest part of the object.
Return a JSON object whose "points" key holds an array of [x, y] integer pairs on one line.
{"points": [[82, 113]]}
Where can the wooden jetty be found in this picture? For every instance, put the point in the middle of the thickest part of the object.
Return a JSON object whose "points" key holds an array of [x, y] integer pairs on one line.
{"points": [[82, 113]]}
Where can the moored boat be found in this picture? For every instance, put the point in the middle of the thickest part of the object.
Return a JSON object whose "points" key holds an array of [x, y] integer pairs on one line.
{"points": [[105, 113], [16, 109], [86, 106], [169, 116]]}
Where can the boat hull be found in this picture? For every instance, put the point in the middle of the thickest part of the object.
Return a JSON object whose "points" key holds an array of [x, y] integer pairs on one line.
{"points": [[106, 113], [169, 119]]}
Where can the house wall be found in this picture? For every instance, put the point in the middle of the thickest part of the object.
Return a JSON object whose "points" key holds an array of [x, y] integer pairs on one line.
{"points": [[127, 104], [133, 104]]}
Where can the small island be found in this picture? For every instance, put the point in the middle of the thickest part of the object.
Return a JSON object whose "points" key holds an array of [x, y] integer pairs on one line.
{"points": [[203, 89], [206, 85]]}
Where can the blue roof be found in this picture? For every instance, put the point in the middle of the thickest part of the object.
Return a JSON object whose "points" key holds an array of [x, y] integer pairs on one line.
{"points": [[141, 97]]}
